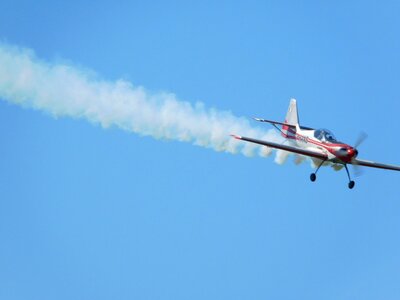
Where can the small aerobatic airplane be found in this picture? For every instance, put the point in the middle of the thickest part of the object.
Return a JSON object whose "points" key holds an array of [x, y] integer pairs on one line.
{"points": [[321, 145]]}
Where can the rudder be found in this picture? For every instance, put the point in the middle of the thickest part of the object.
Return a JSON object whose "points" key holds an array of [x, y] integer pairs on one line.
{"points": [[292, 118]]}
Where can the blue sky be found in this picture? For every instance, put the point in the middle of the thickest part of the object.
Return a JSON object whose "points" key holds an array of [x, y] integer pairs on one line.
{"points": [[92, 213]]}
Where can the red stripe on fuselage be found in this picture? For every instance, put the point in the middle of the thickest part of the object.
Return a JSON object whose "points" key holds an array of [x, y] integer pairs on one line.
{"points": [[329, 147]]}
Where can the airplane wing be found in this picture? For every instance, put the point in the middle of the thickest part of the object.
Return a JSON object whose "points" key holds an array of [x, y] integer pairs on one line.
{"points": [[293, 149], [367, 163]]}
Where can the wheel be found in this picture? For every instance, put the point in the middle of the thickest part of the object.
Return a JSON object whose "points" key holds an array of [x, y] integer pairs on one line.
{"points": [[313, 177], [351, 184]]}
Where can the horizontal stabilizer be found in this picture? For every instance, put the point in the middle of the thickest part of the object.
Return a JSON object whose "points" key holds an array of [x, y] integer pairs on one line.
{"points": [[283, 124], [273, 122]]}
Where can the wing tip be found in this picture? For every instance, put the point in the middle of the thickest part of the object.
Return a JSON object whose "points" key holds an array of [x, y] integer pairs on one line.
{"points": [[238, 137]]}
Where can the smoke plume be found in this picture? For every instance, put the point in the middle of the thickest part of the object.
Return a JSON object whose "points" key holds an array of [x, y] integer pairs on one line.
{"points": [[63, 90]]}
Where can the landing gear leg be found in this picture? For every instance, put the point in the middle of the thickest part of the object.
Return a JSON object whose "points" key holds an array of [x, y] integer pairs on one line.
{"points": [[351, 182], [313, 176]]}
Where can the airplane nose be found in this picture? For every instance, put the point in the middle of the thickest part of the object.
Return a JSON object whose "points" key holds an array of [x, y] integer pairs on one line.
{"points": [[352, 152]]}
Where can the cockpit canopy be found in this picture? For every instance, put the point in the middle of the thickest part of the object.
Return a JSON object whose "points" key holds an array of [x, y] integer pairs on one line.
{"points": [[324, 135]]}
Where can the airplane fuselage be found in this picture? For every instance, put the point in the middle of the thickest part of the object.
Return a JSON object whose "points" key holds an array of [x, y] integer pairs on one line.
{"points": [[335, 151]]}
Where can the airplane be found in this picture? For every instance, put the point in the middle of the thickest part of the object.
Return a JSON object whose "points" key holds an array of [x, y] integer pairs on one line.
{"points": [[318, 144]]}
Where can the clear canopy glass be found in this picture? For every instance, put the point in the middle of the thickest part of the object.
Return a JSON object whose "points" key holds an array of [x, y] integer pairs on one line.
{"points": [[325, 135]]}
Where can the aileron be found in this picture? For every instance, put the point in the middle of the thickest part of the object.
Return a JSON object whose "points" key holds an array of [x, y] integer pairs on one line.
{"points": [[372, 164], [293, 149]]}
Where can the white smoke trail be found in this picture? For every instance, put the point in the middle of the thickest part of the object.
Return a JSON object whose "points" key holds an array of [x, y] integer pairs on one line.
{"points": [[65, 90]]}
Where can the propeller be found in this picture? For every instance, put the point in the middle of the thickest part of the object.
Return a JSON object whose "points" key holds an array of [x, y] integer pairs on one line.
{"points": [[357, 170], [361, 138]]}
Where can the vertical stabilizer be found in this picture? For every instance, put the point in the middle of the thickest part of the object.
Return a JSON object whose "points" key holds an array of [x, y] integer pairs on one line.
{"points": [[292, 118]]}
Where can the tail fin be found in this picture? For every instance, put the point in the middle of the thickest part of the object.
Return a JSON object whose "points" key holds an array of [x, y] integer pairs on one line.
{"points": [[292, 118]]}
